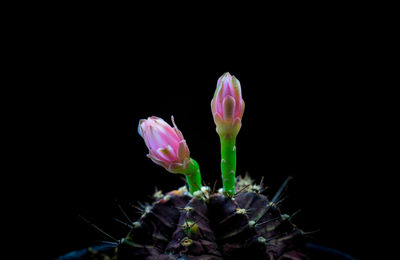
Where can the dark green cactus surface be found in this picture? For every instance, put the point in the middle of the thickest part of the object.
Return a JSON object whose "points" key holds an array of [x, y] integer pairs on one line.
{"points": [[212, 226], [207, 225]]}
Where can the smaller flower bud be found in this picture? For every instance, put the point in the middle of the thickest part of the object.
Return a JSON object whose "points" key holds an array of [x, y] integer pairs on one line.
{"points": [[166, 145]]}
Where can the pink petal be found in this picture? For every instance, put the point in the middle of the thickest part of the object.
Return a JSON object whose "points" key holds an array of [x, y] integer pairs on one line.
{"points": [[177, 132], [155, 139], [167, 130], [167, 154], [221, 80], [229, 107], [236, 125], [237, 90], [213, 106], [156, 160], [227, 87], [218, 118], [159, 136], [140, 131], [183, 151], [239, 110]]}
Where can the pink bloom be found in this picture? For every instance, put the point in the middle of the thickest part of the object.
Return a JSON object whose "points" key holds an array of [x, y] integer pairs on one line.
{"points": [[228, 106], [165, 143]]}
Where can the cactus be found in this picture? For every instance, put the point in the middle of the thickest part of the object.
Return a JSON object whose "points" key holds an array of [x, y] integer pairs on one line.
{"points": [[211, 225], [197, 222]]}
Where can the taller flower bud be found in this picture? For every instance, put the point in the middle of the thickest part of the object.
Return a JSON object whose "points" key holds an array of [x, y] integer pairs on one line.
{"points": [[166, 145], [228, 106]]}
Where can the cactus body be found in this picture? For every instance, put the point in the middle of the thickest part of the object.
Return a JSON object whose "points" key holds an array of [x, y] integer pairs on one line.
{"points": [[213, 226]]}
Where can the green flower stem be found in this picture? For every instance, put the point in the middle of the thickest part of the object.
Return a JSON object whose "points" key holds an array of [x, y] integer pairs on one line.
{"points": [[193, 176], [228, 164]]}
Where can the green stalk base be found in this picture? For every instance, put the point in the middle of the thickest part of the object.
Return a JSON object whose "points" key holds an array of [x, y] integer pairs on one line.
{"points": [[193, 176], [228, 164]]}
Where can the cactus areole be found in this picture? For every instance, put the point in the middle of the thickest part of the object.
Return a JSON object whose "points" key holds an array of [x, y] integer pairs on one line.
{"points": [[196, 222]]}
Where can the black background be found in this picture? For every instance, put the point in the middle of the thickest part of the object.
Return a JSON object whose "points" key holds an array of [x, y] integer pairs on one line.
{"points": [[307, 115]]}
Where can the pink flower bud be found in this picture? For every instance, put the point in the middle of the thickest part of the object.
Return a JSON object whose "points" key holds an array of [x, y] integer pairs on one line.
{"points": [[228, 106], [165, 143]]}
